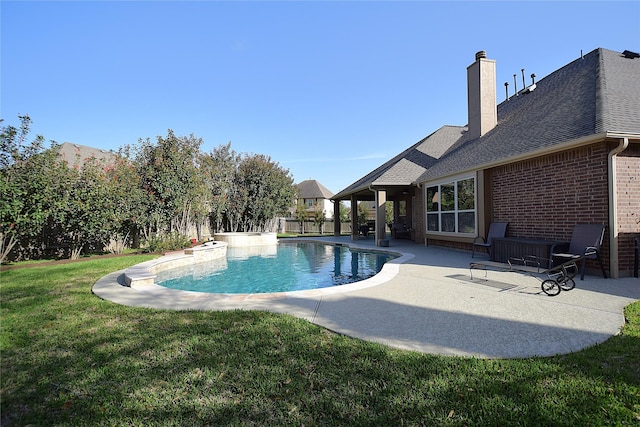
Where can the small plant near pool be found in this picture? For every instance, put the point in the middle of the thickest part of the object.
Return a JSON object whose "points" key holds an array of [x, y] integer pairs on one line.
{"points": [[167, 242]]}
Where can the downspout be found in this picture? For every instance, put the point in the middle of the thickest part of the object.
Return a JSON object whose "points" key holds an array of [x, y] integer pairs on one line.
{"points": [[614, 268]]}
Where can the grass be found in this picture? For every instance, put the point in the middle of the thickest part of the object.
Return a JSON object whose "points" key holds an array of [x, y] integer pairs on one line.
{"points": [[70, 358]]}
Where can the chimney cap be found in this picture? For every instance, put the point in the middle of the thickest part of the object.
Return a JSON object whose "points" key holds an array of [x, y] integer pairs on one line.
{"points": [[481, 54]]}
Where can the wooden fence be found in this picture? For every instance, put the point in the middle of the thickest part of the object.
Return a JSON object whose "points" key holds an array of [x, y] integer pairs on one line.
{"points": [[292, 226]]}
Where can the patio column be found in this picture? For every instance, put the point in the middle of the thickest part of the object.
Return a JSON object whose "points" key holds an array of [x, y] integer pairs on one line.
{"points": [[354, 218], [409, 218], [396, 211], [336, 218], [396, 217], [381, 199]]}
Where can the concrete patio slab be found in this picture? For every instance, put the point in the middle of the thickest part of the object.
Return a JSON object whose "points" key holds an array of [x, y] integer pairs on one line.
{"points": [[425, 301]]}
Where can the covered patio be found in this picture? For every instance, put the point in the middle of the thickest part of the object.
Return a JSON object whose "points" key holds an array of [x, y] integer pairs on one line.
{"points": [[396, 181], [403, 224]]}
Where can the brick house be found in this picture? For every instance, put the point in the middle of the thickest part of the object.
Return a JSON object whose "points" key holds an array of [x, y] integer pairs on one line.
{"points": [[561, 151]]}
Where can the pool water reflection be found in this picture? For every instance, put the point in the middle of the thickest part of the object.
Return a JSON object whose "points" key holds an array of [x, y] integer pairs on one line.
{"points": [[284, 267]]}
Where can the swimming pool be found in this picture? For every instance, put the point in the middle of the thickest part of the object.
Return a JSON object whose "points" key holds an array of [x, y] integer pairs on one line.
{"points": [[284, 267]]}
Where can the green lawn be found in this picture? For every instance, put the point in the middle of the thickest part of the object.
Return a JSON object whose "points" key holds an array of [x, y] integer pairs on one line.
{"points": [[70, 358]]}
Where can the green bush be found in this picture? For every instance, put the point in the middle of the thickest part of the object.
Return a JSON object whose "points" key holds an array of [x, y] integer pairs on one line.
{"points": [[166, 242]]}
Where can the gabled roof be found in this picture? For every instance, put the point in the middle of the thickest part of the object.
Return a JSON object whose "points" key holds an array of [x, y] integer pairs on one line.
{"points": [[593, 95], [312, 189], [76, 154], [405, 168]]}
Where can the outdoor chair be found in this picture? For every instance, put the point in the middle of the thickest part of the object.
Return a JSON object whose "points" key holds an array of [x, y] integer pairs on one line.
{"points": [[496, 229], [400, 231], [586, 241]]}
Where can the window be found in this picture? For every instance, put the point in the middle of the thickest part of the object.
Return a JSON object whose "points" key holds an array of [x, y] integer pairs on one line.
{"points": [[309, 203], [451, 207]]}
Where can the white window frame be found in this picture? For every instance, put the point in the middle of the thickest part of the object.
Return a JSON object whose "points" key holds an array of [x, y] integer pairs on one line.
{"points": [[448, 181]]}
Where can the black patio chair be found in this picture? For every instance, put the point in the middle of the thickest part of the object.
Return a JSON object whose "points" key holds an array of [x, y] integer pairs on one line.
{"points": [[586, 241], [496, 229]]}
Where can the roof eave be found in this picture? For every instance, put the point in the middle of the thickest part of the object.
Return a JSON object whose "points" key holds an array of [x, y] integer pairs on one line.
{"points": [[540, 152], [370, 187], [391, 184]]}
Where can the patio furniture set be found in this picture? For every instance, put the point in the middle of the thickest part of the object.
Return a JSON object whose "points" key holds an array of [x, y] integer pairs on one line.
{"points": [[554, 263]]}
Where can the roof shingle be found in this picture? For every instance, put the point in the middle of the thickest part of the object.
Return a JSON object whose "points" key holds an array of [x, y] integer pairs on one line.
{"points": [[312, 189], [589, 96], [597, 93]]}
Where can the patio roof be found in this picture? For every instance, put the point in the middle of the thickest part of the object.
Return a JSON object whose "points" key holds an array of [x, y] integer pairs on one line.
{"points": [[401, 172]]}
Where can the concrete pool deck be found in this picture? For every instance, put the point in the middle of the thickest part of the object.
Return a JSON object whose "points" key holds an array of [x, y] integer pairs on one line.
{"points": [[426, 302]]}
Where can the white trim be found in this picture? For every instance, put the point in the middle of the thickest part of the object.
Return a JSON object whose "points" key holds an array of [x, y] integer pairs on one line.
{"points": [[614, 268], [451, 180]]}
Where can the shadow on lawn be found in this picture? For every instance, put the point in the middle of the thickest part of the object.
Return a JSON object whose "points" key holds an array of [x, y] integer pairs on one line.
{"points": [[71, 358], [80, 361]]}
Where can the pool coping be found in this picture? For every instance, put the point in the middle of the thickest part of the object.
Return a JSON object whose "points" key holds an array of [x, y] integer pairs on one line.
{"points": [[143, 275], [140, 278]]}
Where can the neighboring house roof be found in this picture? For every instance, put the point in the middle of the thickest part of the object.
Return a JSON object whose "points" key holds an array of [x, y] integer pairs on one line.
{"points": [[592, 95], [77, 154], [408, 166], [312, 189]]}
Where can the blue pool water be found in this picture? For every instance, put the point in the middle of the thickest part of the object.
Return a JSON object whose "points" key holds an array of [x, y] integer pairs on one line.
{"points": [[277, 268]]}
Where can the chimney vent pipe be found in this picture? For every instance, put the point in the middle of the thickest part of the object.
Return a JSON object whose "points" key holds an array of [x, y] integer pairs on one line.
{"points": [[481, 54]]}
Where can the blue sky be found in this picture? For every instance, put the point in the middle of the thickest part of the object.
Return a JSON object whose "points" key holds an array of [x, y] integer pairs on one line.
{"points": [[329, 90]]}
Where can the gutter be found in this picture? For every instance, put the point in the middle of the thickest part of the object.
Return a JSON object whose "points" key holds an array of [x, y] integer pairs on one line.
{"points": [[614, 268]]}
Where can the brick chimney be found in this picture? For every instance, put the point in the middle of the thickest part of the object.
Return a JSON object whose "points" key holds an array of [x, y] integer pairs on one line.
{"points": [[481, 95]]}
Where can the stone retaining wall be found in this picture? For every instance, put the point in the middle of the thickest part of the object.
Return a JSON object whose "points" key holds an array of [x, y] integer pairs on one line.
{"points": [[237, 239], [144, 274]]}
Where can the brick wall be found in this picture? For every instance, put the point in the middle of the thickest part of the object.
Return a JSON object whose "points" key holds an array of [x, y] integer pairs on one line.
{"points": [[546, 196], [628, 184], [419, 212]]}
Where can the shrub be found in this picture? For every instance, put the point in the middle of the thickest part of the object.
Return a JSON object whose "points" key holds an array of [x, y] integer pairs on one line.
{"points": [[166, 242]]}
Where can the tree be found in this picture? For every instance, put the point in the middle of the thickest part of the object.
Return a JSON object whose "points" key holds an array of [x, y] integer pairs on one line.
{"points": [[388, 213], [160, 189], [268, 189], [88, 213], [362, 213], [30, 178], [219, 170], [345, 212], [319, 216], [301, 214], [171, 178], [129, 199]]}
